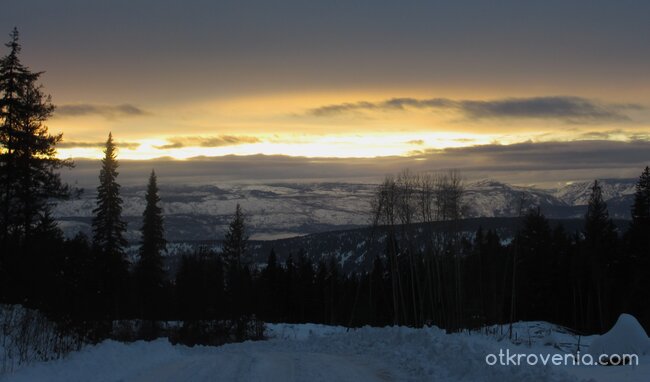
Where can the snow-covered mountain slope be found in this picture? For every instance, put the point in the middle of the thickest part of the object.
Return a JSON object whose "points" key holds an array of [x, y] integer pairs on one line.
{"points": [[315, 353], [576, 194], [489, 198], [201, 212]]}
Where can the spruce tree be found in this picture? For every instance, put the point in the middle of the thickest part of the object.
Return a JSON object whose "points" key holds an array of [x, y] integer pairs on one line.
{"points": [[108, 236], [28, 162], [108, 226], [640, 225], [534, 265], [636, 262], [270, 279], [597, 254], [598, 224], [234, 249], [234, 243], [149, 271]]}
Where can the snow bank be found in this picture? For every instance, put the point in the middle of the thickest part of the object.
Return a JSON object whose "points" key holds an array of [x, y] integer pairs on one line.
{"points": [[626, 337], [314, 353], [298, 353]]}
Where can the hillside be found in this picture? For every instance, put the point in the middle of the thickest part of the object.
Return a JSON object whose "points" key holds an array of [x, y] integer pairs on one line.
{"points": [[201, 212]]}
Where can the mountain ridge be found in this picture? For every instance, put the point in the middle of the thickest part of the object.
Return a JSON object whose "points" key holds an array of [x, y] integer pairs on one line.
{"points": [[276, 210]]}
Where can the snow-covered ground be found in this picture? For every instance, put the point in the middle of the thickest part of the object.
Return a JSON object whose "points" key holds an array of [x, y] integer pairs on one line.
{"points": [[322, 353]]}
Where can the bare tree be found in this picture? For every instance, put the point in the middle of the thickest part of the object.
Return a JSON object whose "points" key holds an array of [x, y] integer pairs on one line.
{"points": [[398, 204], [384, 205]]}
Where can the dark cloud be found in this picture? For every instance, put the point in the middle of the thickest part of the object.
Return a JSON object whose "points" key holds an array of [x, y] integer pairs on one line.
{"points": [[173, 145], [329, 110], [106, 111], [594, 155], [403, 103], [218, 141], [415, 142], [527, 162], [73, 144], [571, 109], [607, 134], [568, 109]]}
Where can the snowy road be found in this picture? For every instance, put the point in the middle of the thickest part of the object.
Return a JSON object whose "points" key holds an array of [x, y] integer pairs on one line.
{"points": [[316, 353], [265, 367]]}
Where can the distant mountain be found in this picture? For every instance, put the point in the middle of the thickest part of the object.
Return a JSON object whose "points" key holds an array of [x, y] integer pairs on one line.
{"points": [[280, 210], [618, 193], [489, 198], [578, 193]]}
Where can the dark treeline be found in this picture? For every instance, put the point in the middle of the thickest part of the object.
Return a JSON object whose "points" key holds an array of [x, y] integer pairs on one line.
{"points": [[455, 280], [582, 279]]}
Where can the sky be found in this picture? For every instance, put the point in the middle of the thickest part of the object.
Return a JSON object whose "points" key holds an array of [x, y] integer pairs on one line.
{"points": [[528, 91]]}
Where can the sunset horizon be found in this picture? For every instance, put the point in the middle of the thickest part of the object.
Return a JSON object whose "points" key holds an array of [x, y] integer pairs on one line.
{"points": [[325, 190], [182, 86]]}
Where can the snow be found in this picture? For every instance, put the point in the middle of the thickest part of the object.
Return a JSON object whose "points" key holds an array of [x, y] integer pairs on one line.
{"points": [[314, 352], [310, 352], [626, 337], [578, 193], [303, 208]]}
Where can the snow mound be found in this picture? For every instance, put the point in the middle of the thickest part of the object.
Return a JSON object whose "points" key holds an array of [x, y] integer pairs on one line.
{"points": [[626, 337]]}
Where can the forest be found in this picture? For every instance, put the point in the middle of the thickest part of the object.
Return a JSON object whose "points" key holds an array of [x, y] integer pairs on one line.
{"points": [[458, 280]]}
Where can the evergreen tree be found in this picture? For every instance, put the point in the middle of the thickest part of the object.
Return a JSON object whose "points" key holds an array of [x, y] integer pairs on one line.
{"points": [[108, 226], [149, 271], [597, 250], [270, 293], [598, 224], [640, 225], [535, 266], [636, 262], [234, 250], [234, 243], [108, 236], [28, 162]]}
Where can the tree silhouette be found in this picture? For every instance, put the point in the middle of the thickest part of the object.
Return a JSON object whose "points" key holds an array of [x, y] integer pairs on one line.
{"points": [[149, 271], [108, 233], [637, 257], [108, 226], [28, 160], [234, 243], [640, 225], [598, 248]]}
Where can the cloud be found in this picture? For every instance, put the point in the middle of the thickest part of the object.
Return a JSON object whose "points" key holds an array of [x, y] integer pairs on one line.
{"points": [[572, 109], [391, 104], [73, 144], [217, 141], [545, 156], [526, 162], [564, 108], [329, 110], [607, 134], [106, 111]]}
